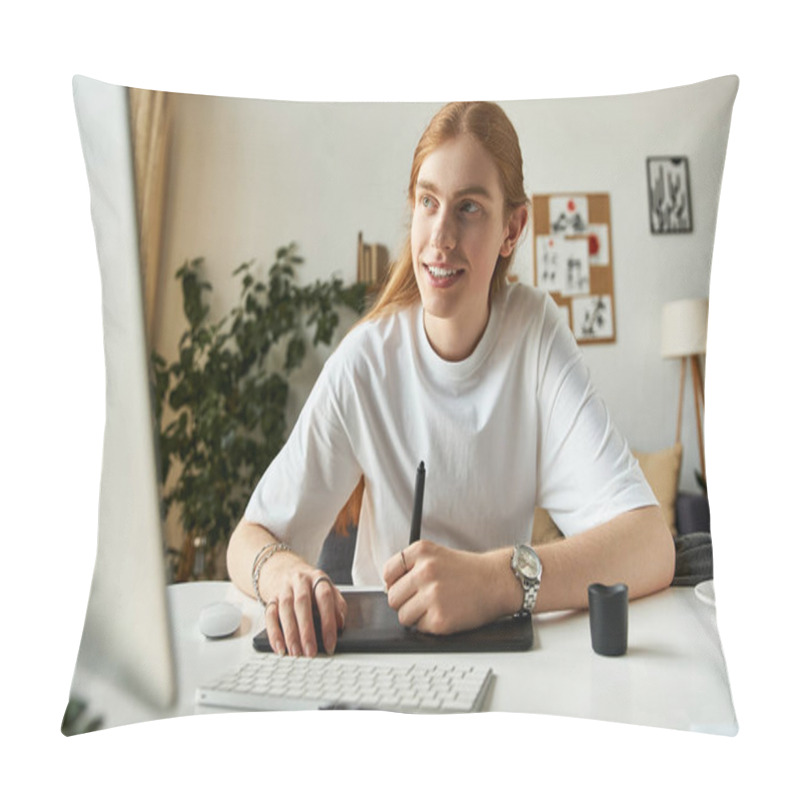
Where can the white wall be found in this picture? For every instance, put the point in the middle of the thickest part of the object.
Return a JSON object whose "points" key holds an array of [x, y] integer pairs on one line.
{"points": [[249, 176]]}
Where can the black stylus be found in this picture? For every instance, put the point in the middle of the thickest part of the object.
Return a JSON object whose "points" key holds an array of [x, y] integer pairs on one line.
{"points": [[419, 491]]}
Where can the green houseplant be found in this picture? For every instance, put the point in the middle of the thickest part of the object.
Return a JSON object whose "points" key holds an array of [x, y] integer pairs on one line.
{"points": [[228, 392]]}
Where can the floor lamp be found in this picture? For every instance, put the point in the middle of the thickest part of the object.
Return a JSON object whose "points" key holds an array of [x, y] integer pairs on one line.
{"points": [[684, 324]]}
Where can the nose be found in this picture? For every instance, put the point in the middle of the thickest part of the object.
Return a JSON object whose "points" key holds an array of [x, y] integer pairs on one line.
{"points": [[444, 233]]}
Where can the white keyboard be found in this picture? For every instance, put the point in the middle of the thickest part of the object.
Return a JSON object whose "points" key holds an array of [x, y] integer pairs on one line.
{"points": [[282, 683]]}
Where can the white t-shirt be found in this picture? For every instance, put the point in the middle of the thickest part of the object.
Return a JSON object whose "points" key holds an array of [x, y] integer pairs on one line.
{"points": [[515, 425]]}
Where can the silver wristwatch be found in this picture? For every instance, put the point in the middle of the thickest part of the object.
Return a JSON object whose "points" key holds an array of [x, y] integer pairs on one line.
{"points": [[528, 569]]}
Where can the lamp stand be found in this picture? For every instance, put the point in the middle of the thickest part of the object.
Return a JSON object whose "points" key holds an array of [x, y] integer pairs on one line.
{"points": [[699, 399]]}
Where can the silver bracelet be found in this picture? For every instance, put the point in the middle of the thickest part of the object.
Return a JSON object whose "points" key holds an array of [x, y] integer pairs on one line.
{"points": [[263, 555]]}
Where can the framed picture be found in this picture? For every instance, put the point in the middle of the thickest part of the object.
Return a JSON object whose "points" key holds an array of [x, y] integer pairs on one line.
{"points": [[669, 194]]}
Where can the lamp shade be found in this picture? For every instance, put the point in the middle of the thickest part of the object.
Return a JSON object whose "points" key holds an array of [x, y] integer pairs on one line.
{"points": [[684, 324]]}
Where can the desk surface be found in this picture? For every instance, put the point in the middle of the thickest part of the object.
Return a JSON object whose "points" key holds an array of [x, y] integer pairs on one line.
{"points": [[673, 675]]}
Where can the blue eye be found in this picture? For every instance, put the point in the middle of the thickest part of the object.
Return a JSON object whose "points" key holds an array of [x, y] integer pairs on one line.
{"points": [[470, 207], [426, 201]]}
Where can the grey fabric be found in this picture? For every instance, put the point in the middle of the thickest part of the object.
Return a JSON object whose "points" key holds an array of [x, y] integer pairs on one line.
{"points": [[692, 513], [693, 559]]}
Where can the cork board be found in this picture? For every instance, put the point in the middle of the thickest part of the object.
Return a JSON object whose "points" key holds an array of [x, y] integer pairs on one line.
{"points": [[573, 261]]}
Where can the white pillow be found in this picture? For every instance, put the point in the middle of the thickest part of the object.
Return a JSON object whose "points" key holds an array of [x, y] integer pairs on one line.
{"points": [[247, 176]]}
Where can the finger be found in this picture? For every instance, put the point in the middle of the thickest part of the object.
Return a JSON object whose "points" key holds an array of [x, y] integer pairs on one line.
{"points": [[304, 613], [397, 566], [404, 597], [341, 610], [324, 597], [291, 633], [427, 622], [274, 632], [411, 611]]}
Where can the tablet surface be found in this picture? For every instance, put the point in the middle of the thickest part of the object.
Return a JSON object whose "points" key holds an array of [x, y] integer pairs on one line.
{"points": [[372, 627]]}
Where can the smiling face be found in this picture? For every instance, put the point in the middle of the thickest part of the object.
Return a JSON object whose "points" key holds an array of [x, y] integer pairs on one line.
{"points": [[459, 228]]}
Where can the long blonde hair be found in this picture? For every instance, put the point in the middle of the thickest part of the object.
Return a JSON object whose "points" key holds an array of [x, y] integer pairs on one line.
{"points": [[488, 123]]}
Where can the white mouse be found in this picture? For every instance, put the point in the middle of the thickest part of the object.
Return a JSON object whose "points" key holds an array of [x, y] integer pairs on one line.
{"points": [[219, 620]]}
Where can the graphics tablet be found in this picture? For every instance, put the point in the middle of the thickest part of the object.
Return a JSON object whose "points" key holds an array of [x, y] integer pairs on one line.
{"points": [[372, 627]]}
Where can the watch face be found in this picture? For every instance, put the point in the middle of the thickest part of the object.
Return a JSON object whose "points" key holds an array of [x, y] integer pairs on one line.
{"points": [[528, 562]]}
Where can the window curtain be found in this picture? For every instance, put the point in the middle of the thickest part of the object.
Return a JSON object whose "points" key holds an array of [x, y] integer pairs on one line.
{"points": [[150, 133], [150, 121]]}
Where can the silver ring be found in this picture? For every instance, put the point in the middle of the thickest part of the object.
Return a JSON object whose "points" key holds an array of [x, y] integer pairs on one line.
{"points": [[403, 556], [319, 580]]}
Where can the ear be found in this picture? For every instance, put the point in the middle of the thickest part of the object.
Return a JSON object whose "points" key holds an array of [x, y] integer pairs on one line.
{"points": [[514, 228]]}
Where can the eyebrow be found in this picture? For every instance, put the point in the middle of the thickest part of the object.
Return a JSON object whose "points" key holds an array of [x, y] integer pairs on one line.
{"points": [[474, 190]]}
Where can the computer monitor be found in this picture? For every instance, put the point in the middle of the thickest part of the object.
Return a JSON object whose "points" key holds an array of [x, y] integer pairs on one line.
{"points": [[126, 647]]}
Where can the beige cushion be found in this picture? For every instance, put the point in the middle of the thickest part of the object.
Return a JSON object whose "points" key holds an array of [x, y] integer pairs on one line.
{"points": [[661, 469]]}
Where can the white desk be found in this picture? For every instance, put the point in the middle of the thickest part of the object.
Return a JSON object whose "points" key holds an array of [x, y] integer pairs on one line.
{"points": [[673, 675]]}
